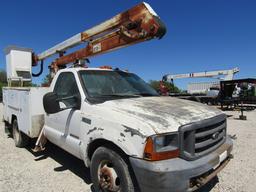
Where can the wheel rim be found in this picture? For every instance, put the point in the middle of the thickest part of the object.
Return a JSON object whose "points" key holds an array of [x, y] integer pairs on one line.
{"points": [[108, 177]]}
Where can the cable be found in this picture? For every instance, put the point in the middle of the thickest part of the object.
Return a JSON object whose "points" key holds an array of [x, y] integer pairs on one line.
{"points": [[41, 70]]}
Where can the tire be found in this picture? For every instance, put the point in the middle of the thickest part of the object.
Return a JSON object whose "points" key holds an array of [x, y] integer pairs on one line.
{"points": [[109, 172], [20, 139]]}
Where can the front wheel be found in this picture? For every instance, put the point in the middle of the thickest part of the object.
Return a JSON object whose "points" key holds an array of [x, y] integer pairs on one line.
{"points": [[109, 172]]}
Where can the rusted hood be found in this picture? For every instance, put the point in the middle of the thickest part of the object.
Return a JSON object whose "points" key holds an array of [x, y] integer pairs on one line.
{"points": [[162, 114]]}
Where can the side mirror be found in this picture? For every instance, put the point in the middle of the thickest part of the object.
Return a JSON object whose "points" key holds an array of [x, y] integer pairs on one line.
{"points": [[51, 103]]}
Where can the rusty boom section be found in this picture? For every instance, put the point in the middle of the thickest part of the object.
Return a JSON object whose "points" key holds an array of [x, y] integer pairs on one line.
{"points": [[135, 25]]}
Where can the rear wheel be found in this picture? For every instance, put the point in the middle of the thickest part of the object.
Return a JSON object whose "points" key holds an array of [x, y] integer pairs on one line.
{"points": [[109, 172], [20, 139]]}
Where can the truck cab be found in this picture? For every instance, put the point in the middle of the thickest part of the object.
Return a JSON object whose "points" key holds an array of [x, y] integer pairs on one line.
{"points": [[126, 133]]}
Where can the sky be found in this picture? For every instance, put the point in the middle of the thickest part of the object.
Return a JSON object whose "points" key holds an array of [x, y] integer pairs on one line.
{"points": [[202, 35]]}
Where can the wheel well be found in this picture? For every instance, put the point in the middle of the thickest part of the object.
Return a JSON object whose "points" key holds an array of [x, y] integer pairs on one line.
{"points": [[108, 144]]}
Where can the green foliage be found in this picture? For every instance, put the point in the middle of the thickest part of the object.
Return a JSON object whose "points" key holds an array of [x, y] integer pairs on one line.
{"points": [[30, 84], [3, 77], [171, 87], [3, 82], [47, 80]]}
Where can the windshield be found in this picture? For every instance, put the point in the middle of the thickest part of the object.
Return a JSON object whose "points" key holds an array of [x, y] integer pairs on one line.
{"points": [[100, 84]]}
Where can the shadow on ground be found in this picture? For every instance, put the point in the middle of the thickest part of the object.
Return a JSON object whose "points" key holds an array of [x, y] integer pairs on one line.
{"points": [[66, 161], [76, 166], [209, 186]]}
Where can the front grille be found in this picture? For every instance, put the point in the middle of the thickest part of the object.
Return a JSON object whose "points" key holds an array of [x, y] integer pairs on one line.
{"points": [[200, 138]]}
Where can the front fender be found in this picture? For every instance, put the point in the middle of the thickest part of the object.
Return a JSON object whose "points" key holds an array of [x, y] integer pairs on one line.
{"points": [[130, 140]]}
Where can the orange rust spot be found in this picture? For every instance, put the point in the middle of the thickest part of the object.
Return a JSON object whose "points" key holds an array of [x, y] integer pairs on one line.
{"points": [[105, 67], [130, 27], [84, 36]]}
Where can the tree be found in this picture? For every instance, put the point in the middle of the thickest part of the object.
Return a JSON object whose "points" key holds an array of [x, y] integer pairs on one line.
{"points": [[170, 87], [3, 76], [47, 80], [3, 82]]}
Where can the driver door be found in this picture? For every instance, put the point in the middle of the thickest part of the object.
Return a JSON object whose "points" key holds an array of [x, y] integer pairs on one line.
{"points": [[63, 128]]}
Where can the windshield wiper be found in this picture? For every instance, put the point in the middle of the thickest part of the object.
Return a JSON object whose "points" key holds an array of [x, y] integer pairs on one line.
{"points": [[120, 95], [147, 94]]}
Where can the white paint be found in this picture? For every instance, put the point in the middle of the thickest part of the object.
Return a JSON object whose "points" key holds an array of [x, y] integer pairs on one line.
{"points": [[125, 122], [228, 74], [222, 157], [107, 120], [96, 48], [201, 87], [150, 9], [18, 60], [69, 43], [26, 104]]}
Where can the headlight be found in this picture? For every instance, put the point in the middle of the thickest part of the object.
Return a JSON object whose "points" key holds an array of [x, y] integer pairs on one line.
{"points": [[166, 143], [160, 147]]}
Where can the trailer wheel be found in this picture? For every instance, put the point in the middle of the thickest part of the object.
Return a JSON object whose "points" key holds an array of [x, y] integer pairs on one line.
{"points": [[109, 172], [20, 139]]}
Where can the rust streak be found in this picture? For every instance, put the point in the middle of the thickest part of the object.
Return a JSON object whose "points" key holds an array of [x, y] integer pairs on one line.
{"points": [[130, 27]]}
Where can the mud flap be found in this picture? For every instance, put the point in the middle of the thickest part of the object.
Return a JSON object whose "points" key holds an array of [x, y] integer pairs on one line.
{"points": [[40, 143]]}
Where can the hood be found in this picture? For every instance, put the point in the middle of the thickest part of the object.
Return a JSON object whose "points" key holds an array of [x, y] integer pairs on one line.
{"points": [[162, 114]]}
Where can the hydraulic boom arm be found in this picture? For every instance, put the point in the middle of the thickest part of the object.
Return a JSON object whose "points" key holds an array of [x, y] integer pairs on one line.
{"points": [[228, 75], [135, 25]]}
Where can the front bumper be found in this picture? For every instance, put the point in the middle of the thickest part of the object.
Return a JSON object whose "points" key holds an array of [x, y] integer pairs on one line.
{"points": [[178, 174]]}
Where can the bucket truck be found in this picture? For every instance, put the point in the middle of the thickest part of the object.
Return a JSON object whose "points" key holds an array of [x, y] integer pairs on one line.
{"points": [[225, 75], [131, 138], [206, 92], [228, 75]]}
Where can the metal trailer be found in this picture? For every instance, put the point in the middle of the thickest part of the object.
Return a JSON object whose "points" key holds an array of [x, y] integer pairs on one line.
{"points": [[205, 92], [201, 98], [238, 92], [24, 105]]}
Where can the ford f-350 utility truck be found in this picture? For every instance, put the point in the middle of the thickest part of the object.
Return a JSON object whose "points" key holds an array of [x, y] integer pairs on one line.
{"points": [[131, 138]]}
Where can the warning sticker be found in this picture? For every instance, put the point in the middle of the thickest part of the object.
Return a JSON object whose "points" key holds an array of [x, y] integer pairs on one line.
{"points": [[96, 48], [222, 157]]}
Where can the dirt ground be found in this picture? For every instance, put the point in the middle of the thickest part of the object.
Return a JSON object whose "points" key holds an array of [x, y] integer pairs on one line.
{"points": [[55, 170]]}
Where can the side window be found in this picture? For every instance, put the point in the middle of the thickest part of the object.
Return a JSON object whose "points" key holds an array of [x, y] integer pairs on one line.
{"points": [[66, 89]]}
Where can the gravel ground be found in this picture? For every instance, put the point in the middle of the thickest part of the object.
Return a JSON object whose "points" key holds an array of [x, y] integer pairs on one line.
{"points": [[240, 173], [55, 170]]}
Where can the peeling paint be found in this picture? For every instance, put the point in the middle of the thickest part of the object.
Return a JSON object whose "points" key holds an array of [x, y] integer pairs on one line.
{"points": [[162, 114], [91, 130], [94, 129], [133, 131], [100, 129]]}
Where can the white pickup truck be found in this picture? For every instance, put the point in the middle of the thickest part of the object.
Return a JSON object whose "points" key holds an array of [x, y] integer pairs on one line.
{"points": [[131, 138]]}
